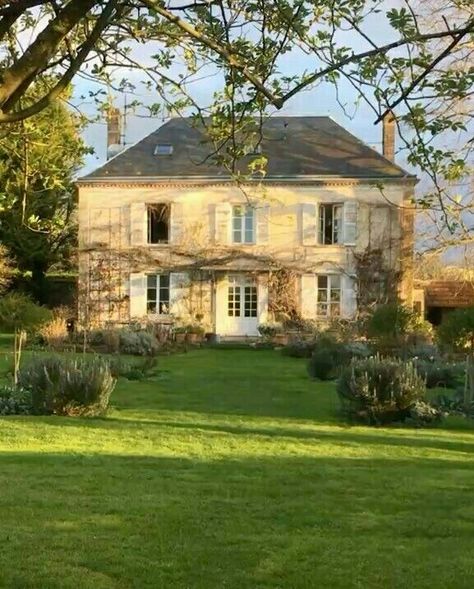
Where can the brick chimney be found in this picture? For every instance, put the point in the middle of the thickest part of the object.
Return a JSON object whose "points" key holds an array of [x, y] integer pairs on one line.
{"points": [[388, 136], [114, 129]]}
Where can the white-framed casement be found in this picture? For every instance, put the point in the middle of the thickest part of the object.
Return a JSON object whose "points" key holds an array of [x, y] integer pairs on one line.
{"points": [[156, 223], [328, 295], [329, 223], [241, 224], [158, 293]]}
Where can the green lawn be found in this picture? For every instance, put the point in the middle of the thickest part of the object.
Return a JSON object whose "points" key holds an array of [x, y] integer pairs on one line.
{"points": [[231, 470]]}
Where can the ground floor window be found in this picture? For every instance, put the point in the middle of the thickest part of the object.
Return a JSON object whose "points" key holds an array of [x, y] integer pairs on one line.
{"points": [[158, 294], [328, 295]]}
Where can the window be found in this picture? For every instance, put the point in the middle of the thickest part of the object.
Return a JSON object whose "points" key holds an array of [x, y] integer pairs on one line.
{"points": [[243, 224], [250, 301], [163, 149], [158, 294], [233, 301], [329, 295], [158, 218], [330, 224]]}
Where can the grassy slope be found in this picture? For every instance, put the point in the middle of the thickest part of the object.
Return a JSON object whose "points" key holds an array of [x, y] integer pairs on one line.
{"points": [[230, 470]]}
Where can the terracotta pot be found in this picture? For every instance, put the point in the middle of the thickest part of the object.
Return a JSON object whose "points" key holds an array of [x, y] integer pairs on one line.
{"points": [[180, 338], [193, 338], [280, 339]]}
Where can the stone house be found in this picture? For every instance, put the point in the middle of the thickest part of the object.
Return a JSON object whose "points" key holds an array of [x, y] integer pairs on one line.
{"points": [[165, 235]]}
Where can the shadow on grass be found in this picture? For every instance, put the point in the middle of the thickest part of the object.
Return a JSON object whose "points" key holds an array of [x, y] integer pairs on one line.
{"points": [[143, 521], [344, 435]]}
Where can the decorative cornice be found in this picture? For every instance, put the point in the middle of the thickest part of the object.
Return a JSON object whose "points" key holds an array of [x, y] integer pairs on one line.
{"points": [[206, 182]]}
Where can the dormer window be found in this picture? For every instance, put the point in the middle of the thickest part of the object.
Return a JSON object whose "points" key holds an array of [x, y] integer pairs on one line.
{"points": [[158, 222], [162, 149]]}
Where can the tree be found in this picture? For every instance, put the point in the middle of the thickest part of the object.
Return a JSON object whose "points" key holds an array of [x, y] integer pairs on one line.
{"points": [[38, 158], [419, 73], [5, 268], [457, 331]]}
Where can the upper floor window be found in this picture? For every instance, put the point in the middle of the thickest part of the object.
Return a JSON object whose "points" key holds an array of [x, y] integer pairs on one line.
{"points": [[329, 295], [158, 223], [330, 224], [243, 224], [158, 294]]}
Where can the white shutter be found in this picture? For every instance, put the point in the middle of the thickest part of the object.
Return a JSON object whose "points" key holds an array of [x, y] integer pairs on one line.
{"points": [[262, 291], [308, 296], [263, 214], [179, 294], [350, 223], [99, 226], [349, 297], [223, 219], [137, 295], [138, 223], [177, 223], [309, 224]]}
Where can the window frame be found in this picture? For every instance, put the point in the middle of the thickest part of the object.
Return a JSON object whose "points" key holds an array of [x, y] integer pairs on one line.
{"points": [[149, 207], [328, 302], [159, 290], [243, 229], [337, 229]]}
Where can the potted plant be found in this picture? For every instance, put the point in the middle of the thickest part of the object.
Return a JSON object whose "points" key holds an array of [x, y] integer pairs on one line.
{"points": [[194, 333], [180, 334], [273, 332]]}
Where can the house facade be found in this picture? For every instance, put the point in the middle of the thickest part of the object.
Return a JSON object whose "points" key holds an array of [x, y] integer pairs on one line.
{"points": [[165, 236]]}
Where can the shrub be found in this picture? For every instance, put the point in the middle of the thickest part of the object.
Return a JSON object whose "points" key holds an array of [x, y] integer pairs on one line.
{"points": [[457, 329], [269, 330], [138, 343], [19, 313], [422, 413], [357, 350], [298, 349], [377, 390], [437, 374], [54, 333], [322, 364], [133, 370], [389, 322], [14, 401], [68, 386]]}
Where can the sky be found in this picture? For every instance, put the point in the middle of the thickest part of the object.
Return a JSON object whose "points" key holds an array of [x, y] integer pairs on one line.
{"points": [[320, 101]]}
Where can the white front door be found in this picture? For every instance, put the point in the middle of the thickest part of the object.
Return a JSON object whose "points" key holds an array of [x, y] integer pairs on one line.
{"points": [[237, 306]]}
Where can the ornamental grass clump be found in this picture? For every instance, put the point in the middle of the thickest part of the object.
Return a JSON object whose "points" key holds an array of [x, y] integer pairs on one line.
{"points": [[68, 386], [380, 390]]}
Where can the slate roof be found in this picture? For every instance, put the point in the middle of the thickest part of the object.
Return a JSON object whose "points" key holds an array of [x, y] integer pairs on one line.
{"points": [[294, 146]]}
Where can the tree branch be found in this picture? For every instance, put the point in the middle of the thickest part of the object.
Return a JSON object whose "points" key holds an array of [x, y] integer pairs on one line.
{"points": [[41, 50], [67, 77]]}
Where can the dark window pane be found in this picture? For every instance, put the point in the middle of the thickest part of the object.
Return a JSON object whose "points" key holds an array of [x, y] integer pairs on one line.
{"points": [[158, 223]]}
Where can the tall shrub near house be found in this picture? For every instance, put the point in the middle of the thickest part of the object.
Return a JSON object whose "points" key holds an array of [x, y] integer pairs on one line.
{"points": [[457, 332], [20, 315]]}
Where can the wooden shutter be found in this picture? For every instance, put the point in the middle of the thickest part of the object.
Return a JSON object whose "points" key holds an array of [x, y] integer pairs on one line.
{"points": [[138, 223], [349, 296], [179, 294], [350, 223], [263, 214], [309, 224], [176, 223], [137, 295], [308, 296], [99, 226], [223, 215]]}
